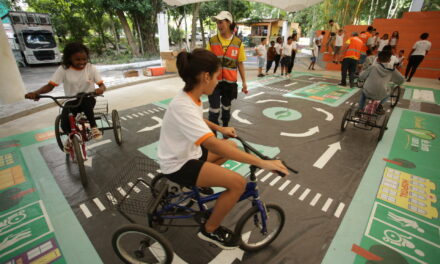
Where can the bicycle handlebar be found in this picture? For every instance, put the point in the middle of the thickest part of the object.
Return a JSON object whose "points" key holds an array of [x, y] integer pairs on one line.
{"points": [[248, 148], [79, 96]]}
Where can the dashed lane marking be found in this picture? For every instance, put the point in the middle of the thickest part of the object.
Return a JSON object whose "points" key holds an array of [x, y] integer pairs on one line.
{"points": [[135, 115], [266, 177], [85, 210], [294, 189], [136, 189], [304, 194], [141, 114], [282, 187], [123, 118], [99, 204], [111, 198], [129, 116], [315, 199], [151, 175], [274, 181], [339, 210], [327, 205]]}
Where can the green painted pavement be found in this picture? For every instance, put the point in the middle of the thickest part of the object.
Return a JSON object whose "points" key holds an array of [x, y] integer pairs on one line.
{"points": [[421, 94]]}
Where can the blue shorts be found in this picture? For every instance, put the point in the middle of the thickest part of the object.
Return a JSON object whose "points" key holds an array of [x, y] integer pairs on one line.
{"points": [[313, 59], [261, 61]]}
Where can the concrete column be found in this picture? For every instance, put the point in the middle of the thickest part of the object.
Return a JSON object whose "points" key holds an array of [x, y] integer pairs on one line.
{"points": [[416, 5], [162, 25], [11, 85], [285, 31]]}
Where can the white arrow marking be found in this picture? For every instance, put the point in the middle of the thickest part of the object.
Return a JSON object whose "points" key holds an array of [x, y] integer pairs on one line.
{"points": [[229, 256], [327, 155], [257, 94], [271, 100], [290, 84], [244, 121], [98, 144], [310, 132], [329, 116], [316, 78], [88, 161], [159, 121]]}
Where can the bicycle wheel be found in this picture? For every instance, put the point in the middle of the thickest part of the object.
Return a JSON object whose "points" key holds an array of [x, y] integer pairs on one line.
{"points": [[138, 244], [79, 160], [60, 136], [395, 96], [249, 227], [117, 131], [382, 128], [345, 119]]}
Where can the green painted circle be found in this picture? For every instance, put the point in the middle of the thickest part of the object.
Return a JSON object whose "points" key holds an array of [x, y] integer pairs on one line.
{"points": [[282, 113]]}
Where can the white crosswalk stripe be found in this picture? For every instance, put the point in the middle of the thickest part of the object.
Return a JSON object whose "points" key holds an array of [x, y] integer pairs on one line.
{"points": [[339, 210]]}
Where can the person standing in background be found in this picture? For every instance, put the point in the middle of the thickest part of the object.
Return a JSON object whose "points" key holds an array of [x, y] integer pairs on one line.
{"points": [[352, 54], [260, 50], [271, 53], [417, 54], [230, 50], [394, 40], [294, 47], [333, 29], [278, 47]]}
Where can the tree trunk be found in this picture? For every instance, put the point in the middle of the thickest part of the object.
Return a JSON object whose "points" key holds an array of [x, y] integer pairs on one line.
{"points": [[186, 30], [202, 29], [195, 17], [118, 51], [128, 34]]}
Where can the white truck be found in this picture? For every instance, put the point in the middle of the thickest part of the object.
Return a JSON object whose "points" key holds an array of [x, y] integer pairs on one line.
{"points": [[31, 37]]}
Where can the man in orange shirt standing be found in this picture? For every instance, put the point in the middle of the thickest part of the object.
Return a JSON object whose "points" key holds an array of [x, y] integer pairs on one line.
{"points": [[352, 53]]}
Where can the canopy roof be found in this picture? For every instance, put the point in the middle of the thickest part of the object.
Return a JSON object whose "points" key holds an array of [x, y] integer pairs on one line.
{"points": [[287, 5]]}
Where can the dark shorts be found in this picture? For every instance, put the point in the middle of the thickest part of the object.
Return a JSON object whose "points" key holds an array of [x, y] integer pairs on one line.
{"points": [[285, 61], [362, 58], [313, 59], [188, 174]]}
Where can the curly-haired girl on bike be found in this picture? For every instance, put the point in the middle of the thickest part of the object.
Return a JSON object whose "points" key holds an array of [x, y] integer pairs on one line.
{"points": [[78, 76], [191, 155]]}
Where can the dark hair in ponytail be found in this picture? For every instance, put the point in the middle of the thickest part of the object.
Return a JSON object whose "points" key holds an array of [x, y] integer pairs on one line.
{"points": [[191, 64]]}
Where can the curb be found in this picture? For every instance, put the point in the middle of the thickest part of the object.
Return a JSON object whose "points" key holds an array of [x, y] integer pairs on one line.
{"points": [[42, 107]]}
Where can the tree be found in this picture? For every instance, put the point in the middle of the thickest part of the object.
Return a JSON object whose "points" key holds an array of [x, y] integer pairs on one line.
{"points": [[195, 18]]}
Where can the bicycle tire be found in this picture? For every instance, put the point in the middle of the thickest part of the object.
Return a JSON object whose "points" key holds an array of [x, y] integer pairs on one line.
{"points": [[344, 122], [158, 246], [60, 136], [117, 131], [382, 128], [80, 161], [250, 242], [395, 96]]}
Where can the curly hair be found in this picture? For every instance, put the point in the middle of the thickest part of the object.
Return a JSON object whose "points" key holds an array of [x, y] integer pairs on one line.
{"points": [[71, 49]]}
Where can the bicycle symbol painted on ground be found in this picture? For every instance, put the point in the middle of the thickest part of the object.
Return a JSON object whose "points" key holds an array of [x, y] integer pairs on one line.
{"points": [[401, 241], [12, 220]]}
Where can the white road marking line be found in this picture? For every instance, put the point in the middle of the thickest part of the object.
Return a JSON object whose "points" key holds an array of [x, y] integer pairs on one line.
{"points": [[99, 204], [388, 110], [272, 183], [315, 199], [129, 116], [135, 115], [141, 114], [151, 175], [111, 198], [136, 189], [327, 204], [123, 118], [145, 112], [294, 189], [158, 171], [110, 121], [304, 194], [258, 172], [85, 210], [253, 95], [339, 210], [151, 111], [282, 187], [156, 110], [266, 177], [94, 145], [121, 191]]}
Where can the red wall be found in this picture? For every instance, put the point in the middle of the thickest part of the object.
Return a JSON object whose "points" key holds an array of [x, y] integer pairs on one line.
{"points": [[410, 27]]}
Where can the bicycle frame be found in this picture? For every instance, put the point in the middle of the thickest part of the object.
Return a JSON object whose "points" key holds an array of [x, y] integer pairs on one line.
{"points": [[81, 132]]}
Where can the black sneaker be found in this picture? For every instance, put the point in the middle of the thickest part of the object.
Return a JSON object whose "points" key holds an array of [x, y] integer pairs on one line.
{"points": [[221, 237], [380, 110], [342, 84]]}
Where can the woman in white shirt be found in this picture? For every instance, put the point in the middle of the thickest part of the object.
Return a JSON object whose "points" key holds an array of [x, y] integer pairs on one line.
{"points": [[191, 155], [417, 54], [383, 42], [394, 40]]}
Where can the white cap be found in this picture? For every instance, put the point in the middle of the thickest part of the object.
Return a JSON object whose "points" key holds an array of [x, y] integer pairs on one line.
{"points": [[222, 16]]}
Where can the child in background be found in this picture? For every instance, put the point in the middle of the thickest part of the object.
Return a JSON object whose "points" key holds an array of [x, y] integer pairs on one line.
{"points": [[369, 60], [394, 40], [400, 59], [78, 76], [383, 41], [376, 79], [271, 53], [321, 39], [286, 56], [315, 51], [278, 47], [261, 56], [371, 41], [376, 41], [339, 42]]}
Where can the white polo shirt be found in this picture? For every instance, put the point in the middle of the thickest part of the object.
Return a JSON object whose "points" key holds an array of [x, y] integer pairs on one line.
{"points": [[77, 81], [421, 47], [183, 131]]}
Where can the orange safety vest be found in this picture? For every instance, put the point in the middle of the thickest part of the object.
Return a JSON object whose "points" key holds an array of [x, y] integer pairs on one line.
{"points": [[364, 37], [354, 48], [228, 58]]}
